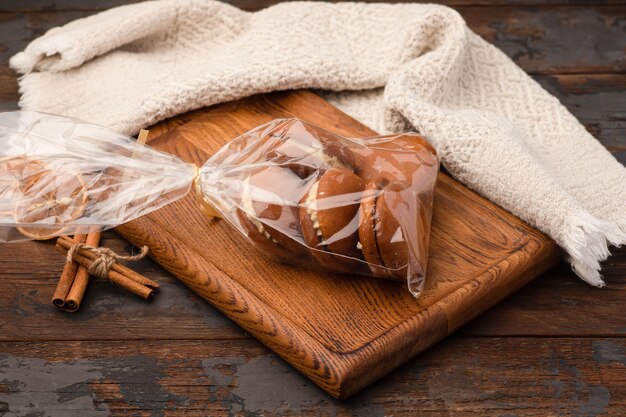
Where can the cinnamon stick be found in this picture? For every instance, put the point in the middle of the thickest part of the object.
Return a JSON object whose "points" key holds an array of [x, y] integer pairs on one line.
{"points": [[67, 278], [113, 276], [77, 292], [66, 243]]}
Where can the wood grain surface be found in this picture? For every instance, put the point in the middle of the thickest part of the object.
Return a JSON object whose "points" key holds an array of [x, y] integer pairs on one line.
{"points": [[554, 348], [340, 331]]}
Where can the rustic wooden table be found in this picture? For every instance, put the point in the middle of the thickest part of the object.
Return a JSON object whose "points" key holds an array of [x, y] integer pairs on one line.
{"points": [[557, 347]]}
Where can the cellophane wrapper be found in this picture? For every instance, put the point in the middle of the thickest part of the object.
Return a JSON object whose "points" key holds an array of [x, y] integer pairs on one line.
{"points": [[297, 192], [61, 176]]}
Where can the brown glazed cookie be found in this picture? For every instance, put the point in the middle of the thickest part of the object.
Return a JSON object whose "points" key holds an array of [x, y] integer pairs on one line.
{"points": [[400, 172], [268, 211], [329, 219], [398, 158], [380, 236], [307, 149]]}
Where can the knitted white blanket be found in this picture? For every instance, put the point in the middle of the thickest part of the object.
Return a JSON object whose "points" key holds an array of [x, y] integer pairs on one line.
{"points": [[394, 67]]}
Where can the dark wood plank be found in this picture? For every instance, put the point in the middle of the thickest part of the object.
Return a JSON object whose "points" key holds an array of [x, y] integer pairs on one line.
{"points": [[555, 40], [559, 303], [462, 377], [9, 95]]}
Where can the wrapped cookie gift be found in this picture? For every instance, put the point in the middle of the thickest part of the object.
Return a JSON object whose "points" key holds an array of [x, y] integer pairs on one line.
{"points": [[296, 191]]}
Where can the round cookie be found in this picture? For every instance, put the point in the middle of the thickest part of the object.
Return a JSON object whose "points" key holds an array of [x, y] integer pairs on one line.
{"points": [[396, 157], [307, 149], [380, 235], [268, 211], [329, 219]]}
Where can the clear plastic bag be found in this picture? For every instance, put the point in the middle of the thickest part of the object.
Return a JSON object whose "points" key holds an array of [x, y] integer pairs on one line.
{"points": [[296, 191]]}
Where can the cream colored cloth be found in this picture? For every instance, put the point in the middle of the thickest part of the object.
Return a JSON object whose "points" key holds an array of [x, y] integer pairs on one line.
{"points": [[394, 67]]}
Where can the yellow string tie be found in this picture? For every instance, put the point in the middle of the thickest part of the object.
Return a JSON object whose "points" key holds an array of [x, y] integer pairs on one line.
{"points": [[206, 207]]}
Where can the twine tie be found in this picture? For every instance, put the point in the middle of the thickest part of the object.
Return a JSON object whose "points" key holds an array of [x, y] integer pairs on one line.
{"points": [[105, 258]]}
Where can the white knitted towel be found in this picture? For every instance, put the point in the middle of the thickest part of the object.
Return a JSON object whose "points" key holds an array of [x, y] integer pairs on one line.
{"points": [[394, 67]]}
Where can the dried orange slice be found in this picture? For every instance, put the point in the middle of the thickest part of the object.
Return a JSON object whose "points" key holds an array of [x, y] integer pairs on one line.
{"points": [[47, 196], [17, 173]]}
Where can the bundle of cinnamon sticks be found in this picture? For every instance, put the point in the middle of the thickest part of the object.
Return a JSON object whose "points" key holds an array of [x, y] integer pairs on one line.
{"points": [[75, 276], [71, 288]]}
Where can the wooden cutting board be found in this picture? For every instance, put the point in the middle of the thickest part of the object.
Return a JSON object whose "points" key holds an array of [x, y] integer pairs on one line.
{"points": [[342, 332]]}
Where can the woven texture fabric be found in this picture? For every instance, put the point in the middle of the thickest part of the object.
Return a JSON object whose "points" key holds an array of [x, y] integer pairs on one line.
{"points": [[393, 67]]}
